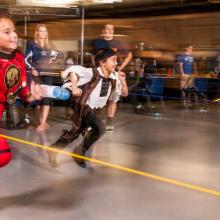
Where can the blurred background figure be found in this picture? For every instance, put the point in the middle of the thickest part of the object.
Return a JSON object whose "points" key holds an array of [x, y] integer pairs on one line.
{"points": [[150, 66], [187, 67], [39, 58], [216, 74], [70, 60], [137, 83], [124, 57], [217, 67]]}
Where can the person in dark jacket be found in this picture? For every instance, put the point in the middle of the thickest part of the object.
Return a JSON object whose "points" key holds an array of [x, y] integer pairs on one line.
{"points": [[124, 56]]}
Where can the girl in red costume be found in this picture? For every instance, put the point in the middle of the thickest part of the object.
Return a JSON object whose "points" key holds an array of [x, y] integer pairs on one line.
{"points": [[12, 76]]}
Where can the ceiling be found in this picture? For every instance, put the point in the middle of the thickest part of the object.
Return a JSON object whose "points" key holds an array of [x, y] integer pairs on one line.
{"points": [[142, 8], [158, 23], [53, 9]]}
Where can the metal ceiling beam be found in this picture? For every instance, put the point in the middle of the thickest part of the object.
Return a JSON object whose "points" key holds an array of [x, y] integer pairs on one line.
{"points": [[46, 11]]}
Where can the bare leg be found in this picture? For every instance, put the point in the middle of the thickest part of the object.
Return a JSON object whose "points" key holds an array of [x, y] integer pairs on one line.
{"points": [[44, 112], [112, 107]]}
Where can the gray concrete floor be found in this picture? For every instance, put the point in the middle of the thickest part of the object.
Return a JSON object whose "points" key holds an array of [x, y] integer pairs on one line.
{"points": [[180, 145]]}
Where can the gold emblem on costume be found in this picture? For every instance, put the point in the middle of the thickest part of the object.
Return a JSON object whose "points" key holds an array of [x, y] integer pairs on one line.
{"points": [[12, 76]]}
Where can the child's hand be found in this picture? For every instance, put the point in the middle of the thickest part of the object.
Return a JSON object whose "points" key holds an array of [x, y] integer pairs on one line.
{"points": [[36, 92], [34, 72], [77, 92], [122, 76]]}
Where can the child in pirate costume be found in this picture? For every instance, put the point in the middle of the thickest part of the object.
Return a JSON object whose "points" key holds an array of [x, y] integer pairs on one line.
{"points": [[91, 88]]}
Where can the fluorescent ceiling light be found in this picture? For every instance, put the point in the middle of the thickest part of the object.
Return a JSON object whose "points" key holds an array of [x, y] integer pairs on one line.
{"points": [[106, 1], [62, 2], [45, 2]]}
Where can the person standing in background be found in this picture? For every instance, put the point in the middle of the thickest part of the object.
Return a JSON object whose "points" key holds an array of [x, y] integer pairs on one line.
{"points": [[124, 57], [216, 74], [69, 61], [187, 67], [217, 67], [39, 58]]}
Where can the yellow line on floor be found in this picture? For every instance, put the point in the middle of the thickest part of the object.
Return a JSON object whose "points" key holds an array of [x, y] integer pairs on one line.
{"points": [[122, 168], [217, 100]]}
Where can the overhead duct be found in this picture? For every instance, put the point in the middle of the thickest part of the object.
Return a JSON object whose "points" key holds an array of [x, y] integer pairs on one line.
{"points": [[33, 11], [33, 14], [47, 3]]}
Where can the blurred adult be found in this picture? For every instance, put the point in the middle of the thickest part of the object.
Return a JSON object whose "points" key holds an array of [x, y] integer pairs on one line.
{"points": [[69, 61], [216, 74], [39, 58], [187, 67], [124, 57], [217, 67]]}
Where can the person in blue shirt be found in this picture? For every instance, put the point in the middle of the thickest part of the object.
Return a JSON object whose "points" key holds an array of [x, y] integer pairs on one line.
{"points": [[39, 58], [187, 67]]}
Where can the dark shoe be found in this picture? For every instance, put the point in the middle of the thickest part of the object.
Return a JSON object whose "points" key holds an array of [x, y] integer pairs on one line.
{"points": [[23, 124], [80, 151]]}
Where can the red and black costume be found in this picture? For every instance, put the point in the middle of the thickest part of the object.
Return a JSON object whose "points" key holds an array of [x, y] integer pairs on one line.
{"points": [[12, 75]]}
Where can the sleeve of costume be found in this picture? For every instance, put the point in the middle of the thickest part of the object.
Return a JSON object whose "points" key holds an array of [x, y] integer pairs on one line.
{"points": [[116, 93], [29, 55], [81, 74]]}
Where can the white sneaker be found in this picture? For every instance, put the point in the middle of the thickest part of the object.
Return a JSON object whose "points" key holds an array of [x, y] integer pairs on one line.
{"points": [[203, 110], [109, 128], [138, 107]]}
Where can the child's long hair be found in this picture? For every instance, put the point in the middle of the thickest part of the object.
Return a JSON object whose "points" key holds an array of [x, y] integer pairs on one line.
{"points": [[36, 37]]}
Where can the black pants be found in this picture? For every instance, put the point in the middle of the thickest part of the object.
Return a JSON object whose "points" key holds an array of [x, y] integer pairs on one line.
{"points": [[97, 129]]}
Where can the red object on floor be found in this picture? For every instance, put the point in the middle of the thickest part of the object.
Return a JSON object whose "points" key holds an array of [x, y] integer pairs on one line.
{"points": [[5, 154]]}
